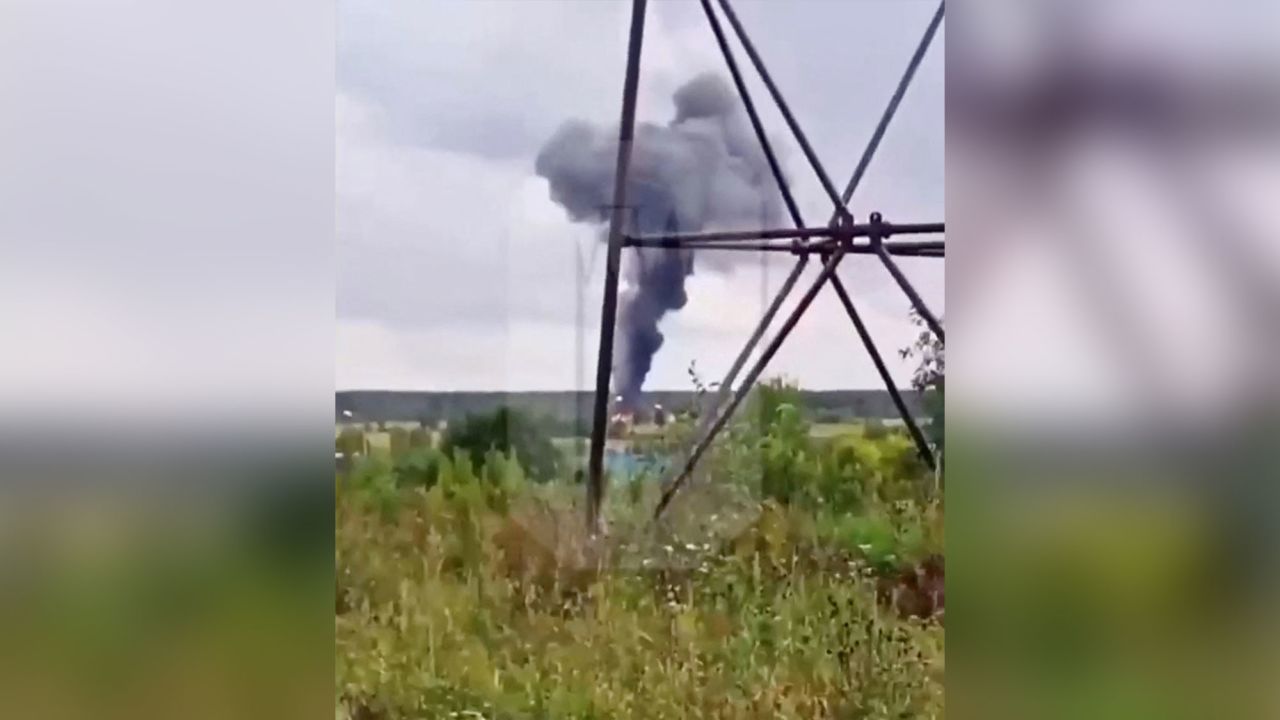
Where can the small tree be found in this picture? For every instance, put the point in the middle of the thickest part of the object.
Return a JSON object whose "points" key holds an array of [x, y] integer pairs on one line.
{"points": [[399, 438], [930, 376], [420, 437], [767, 402], [507, 431], [350, 442]]}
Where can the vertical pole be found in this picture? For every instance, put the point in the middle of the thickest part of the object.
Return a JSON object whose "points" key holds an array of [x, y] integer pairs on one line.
{"points": [[608, 316], [579, 359]]}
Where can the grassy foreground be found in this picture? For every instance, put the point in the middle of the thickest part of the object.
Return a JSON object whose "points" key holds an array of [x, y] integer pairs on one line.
{"points": [[787, 585]]}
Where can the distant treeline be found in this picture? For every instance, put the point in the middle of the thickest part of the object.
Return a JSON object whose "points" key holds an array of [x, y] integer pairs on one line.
{"points": [[570, 411]]}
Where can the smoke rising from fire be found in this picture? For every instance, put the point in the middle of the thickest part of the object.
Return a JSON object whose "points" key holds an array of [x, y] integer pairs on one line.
{"points": [[702, 171]]}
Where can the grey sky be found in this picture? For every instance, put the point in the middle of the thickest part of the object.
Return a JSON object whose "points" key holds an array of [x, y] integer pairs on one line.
{"points": [[165, 245], [166, 228], [455, 269]]}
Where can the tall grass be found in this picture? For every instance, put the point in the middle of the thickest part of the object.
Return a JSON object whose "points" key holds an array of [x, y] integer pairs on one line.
{"points": [[467, 590]]}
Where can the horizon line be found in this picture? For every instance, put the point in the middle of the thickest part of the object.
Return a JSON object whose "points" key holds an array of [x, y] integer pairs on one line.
{"points": [[570, 390]]}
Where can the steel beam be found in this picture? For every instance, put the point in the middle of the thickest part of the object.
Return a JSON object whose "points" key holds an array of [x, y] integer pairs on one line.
{"points": [[922, 445], [910, 248], [839, 241], [877, 243], [608, 316], [854, 230], [669, 491], [785, 109], [899, 92]]}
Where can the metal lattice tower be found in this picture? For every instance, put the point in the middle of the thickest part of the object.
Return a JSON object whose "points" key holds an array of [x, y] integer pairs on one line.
{"points": [[840, 237]]}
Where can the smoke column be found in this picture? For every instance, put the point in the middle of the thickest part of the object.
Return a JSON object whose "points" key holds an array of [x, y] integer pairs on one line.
{"points": [[702, 171]]}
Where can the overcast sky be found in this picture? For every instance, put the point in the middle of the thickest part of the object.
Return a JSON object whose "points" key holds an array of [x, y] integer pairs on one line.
{"points": [[168, 206], [165, 209], [457, 271]]}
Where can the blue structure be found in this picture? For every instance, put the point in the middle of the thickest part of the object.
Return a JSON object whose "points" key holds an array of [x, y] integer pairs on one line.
{"points": [[623, 465]]}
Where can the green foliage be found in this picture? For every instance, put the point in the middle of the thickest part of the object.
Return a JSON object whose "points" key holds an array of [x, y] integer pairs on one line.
{"points": [[555, 427], [465, 590], [774, 403], [350, 441], [510, 432], [929, 378], [420, 437], [469, 600], [399, 439], [935, 405], [420, 467], [875, 429], [772, 450]]}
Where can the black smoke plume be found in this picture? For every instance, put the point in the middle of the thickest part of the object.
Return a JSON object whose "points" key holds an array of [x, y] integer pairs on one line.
{"points": [[702, 171]]}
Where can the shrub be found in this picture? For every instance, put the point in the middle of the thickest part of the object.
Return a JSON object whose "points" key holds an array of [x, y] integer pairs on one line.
{"points": [[464, 591], [767, 399], [875, 429], [399, 439], [472, 598], [509, 432], [421, 437], [419, 467], [935, 403], [350, 442]]}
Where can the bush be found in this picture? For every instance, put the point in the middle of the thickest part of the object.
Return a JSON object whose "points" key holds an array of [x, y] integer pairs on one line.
{"points": [[420, 437], [350, 442], [509, 432], [875, 429], [399, 438], [767, 399], [463, 590], [478, 596], [935, 403], [419, 467]]}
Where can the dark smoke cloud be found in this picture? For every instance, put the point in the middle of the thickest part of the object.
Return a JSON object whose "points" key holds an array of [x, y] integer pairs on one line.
{"points": [[702, 171]]}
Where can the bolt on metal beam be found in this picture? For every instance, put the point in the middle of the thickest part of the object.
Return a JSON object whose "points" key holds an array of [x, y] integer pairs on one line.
{"points": [[877, 242], [832, 230], [824, 246], [706, 434], [840, 235]]}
